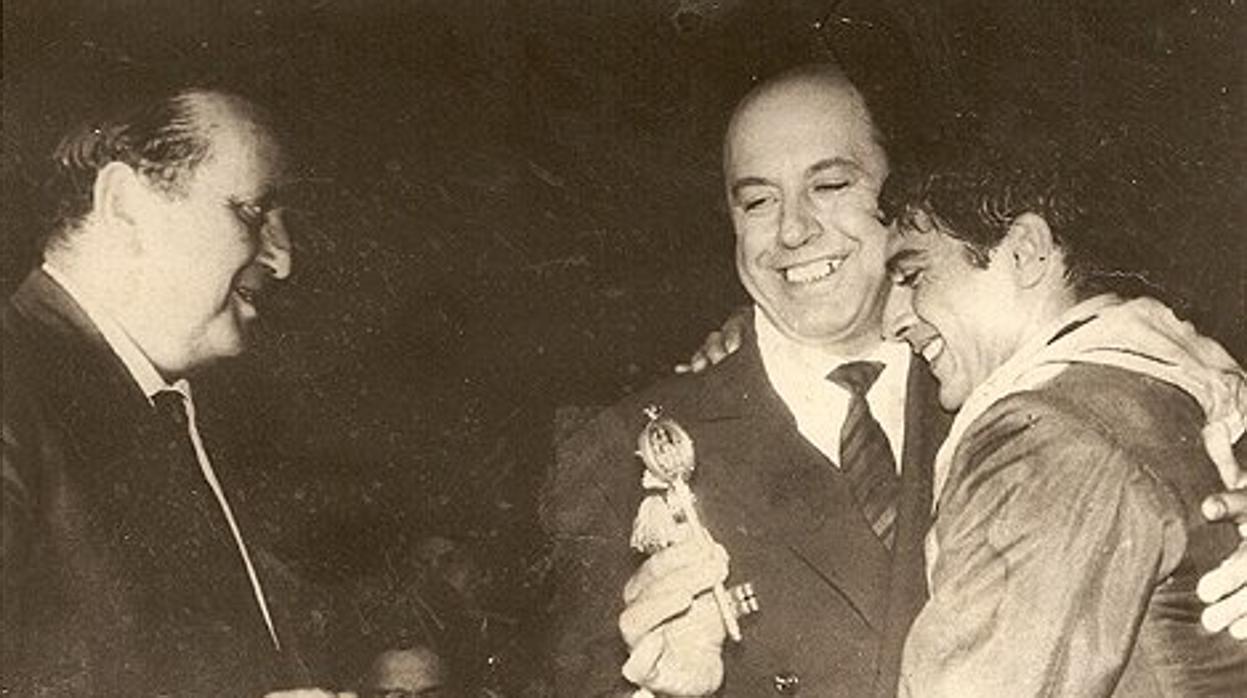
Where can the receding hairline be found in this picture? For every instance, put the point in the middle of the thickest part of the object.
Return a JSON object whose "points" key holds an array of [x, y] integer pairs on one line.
{"points": [[818, 75], [220, 116], [212, 109]]}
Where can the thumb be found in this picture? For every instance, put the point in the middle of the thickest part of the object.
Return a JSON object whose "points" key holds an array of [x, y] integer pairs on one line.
{"points": [[642, 663]]}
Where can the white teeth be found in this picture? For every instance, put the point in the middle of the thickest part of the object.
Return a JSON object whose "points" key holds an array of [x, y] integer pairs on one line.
{"points": [[933, 349], [246, 294], [812, 271]]}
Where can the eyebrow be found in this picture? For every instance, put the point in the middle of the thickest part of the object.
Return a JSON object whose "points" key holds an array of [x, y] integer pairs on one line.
{"points": [[267, 199], [900, 257], [829, 163], [744, 182]]}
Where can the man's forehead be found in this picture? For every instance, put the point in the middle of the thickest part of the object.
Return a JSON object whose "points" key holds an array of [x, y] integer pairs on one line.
{"points": [[804, 121], [244, 155]]}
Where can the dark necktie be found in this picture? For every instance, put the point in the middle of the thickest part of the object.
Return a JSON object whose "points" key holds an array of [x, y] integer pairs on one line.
{"points": [[210, 604], [189, 492], [172, 407], [192, 516], [865, 455]]}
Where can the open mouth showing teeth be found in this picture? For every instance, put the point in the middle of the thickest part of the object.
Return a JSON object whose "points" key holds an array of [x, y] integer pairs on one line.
{"points": [[932, 349], [812, 271]]}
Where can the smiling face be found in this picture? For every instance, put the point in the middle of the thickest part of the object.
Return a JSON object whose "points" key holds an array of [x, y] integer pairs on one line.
{"points": [[208, 252], [803, 170], [965, 320]]}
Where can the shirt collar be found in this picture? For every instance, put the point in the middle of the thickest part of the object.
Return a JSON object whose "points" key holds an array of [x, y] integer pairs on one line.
{"points": [[798, 374], [132, 357], [776, 348]]}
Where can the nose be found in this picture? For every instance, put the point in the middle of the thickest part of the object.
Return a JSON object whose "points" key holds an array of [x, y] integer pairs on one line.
{"points": [[898, 312], [798, 224], [275, 247]]}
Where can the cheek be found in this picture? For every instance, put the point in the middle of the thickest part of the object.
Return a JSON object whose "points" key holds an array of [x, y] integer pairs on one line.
{"points": [[751, 240], [857, 206]]}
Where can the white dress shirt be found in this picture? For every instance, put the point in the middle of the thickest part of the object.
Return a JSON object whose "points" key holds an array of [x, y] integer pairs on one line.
{"points": [[798, 372], [151, 382]]}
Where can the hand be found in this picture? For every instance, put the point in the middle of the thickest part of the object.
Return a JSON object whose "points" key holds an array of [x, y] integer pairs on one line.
{"points": [[1225, 588], [719, 344], [671, 622]]}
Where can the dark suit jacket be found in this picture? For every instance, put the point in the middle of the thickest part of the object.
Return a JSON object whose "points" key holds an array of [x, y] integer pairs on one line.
{"points": [[120, 574], [835, 606]]}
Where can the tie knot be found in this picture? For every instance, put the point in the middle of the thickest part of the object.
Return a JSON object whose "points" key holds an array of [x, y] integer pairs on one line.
{"points": [[171, 405], [856, 376]]}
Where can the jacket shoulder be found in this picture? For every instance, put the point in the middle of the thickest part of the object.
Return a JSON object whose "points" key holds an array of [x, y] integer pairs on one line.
{"points": [[1094, 423], [1115, 404]]}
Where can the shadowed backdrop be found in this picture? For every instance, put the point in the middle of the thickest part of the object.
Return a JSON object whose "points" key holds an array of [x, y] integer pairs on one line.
{"points": [[508, 206]]}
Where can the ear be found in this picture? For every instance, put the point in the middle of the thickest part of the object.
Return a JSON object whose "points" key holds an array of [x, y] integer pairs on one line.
{"points": [[1033, 254], [119, 196]]}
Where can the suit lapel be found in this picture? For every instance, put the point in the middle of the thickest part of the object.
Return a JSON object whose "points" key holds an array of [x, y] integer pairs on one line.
{"points": [[149, 502], [748, 443]]}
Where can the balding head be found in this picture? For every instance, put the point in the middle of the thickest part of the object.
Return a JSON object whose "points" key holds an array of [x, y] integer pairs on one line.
{"points": [[820, 80]]}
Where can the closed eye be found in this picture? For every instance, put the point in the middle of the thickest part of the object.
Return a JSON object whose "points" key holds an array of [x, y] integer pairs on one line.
{"points": [[250, 213], [834, 186], [757, 204], [907, 278]]}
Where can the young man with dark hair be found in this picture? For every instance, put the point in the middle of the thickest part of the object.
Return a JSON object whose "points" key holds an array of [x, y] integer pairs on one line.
{"points": [[1067, 539]]}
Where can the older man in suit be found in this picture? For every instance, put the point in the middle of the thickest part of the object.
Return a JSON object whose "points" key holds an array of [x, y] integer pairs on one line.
{"points": [[126, 570], [813, 444]]}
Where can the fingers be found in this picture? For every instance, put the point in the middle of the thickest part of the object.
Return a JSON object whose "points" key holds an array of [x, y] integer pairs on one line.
{"points": [[713, 349], [642, 664], [681, 657], [720, 343], [698, 363], [734, 333], [666, 586], [1229, 576], [690, 563], [663, 601], [1229, 613], [1227, 506], [1225, 589]]}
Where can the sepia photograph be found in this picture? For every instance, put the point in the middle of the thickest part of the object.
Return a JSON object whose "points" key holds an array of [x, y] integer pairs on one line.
{"points": [[624, 348]]}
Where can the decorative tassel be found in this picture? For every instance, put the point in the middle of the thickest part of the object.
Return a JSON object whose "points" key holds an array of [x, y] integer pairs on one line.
{"points": [[655, 526]]}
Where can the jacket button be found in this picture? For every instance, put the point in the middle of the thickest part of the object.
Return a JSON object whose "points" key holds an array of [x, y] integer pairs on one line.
{"points": [[787, 683]]}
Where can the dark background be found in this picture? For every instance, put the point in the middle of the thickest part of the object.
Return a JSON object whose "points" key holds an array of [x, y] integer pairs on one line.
{"points": [[507, 206]]}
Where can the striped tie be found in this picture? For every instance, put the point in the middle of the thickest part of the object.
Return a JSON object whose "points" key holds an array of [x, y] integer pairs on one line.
{"points": [[865, 456]]}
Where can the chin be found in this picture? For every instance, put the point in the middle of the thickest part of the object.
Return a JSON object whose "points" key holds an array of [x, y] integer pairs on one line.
{"points": [[813, 325], [226, 345]]}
